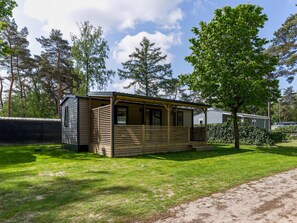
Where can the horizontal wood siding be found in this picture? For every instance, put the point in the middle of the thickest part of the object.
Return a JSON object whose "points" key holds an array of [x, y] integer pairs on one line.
{"points": [[179, 134], [84, 128], [69, 134], [101, 130], [156, 134], [131, 140]]}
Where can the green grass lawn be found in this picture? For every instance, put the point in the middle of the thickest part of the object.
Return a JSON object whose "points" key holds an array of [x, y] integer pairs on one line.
{"points": [[56, 185]]}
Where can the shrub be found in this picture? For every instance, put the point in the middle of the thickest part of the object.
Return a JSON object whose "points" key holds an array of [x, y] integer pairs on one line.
{"points": [[287, 132], [250, 135]]}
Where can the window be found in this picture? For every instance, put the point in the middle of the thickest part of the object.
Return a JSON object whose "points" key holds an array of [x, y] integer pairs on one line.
{"points": [[254, 122], [156, 117], [121, 115], [180, 118], [153, 116], [66, 117]]}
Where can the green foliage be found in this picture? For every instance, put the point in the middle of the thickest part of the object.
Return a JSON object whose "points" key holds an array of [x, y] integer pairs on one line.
{"points": [[17, 61], [286, 108], [284, 45], [90, 51], [286, 132], [249, 135], [6, 7], [230, 64], [146, 70], [278, 136], [56, 71]]}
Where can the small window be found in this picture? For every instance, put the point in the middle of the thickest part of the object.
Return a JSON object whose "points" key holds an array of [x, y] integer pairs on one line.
{"points": [[121, 115], [254, 122], [180, 118], [66, 116]]}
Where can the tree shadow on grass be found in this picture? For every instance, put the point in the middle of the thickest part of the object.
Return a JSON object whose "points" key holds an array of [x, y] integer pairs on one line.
{"points": [[50, 196], [217, 151], [280, 150], [61, 153], [13, 157]]}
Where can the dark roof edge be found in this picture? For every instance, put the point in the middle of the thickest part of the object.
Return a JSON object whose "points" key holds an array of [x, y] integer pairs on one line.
{"points": [[114, 93], [71, 96]]}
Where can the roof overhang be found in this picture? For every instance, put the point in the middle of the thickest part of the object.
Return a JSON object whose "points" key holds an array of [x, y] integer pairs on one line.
{"points": [[145, 99]]}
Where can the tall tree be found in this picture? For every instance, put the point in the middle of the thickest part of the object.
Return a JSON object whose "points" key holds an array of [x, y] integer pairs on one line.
{"points": [[146, 69], [89, 52], [288, 105], [57, 69], [284, 45], [17, 58], [230, 65], [1, 93], [6, 7]]}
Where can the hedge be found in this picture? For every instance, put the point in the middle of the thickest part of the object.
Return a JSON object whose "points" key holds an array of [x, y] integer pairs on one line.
{"points": [[287, 132], [250, 135]]}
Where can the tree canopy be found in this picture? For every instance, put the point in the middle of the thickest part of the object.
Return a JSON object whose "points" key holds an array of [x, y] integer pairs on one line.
{"points": [[284, 45], [229, 61], [56, 70], [146, 69], [90, 51], [6, 7]]}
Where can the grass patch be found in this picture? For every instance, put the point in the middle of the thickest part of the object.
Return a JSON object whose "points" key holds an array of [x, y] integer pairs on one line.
{"points": [[56, 185]]}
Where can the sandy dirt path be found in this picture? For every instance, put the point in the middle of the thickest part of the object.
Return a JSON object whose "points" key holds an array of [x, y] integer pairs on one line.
{"points": [[271, 199]]}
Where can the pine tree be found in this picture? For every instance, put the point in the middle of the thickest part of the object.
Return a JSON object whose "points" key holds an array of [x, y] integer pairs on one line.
{"points": [[146, 69], [89, 52], [56, 69], [284, 45], [16, 61]]}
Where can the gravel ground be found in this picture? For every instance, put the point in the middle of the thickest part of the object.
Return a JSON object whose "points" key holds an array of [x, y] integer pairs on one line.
{"points": [[271, 199]]}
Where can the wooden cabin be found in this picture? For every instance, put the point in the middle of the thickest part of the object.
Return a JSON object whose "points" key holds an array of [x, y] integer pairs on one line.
{"points": [[119, 124]]}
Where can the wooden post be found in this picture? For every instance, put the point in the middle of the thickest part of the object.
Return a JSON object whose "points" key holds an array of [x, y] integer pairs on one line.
{"points": [[189, 134], [90, 121], [168, 108], [205, 124], [112, 126], [143, 137]]}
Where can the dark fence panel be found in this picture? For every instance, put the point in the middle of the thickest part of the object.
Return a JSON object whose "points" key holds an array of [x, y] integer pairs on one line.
{"points": [[198, 134], [24, 131]]}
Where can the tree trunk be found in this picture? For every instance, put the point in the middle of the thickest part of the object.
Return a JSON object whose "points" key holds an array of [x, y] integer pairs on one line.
{"points": [[11, 84], [1, 92], [269, 116], [236, 131], [88, 78], [59, 97]]}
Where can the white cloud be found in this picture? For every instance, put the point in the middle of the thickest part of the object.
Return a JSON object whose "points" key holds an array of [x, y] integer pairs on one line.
{"points": [[110, 14], [128, 44]]}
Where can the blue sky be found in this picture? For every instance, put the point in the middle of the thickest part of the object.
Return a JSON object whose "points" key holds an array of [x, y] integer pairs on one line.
{"points": [[168, 23]]}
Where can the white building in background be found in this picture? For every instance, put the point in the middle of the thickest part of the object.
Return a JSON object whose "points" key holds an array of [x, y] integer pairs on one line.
{"points": [[215, 116]]}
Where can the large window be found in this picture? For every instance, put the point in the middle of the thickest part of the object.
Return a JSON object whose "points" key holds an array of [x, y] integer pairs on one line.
{"points": [[66, 117], [121, 115], [153, 117], [180, 118]]}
